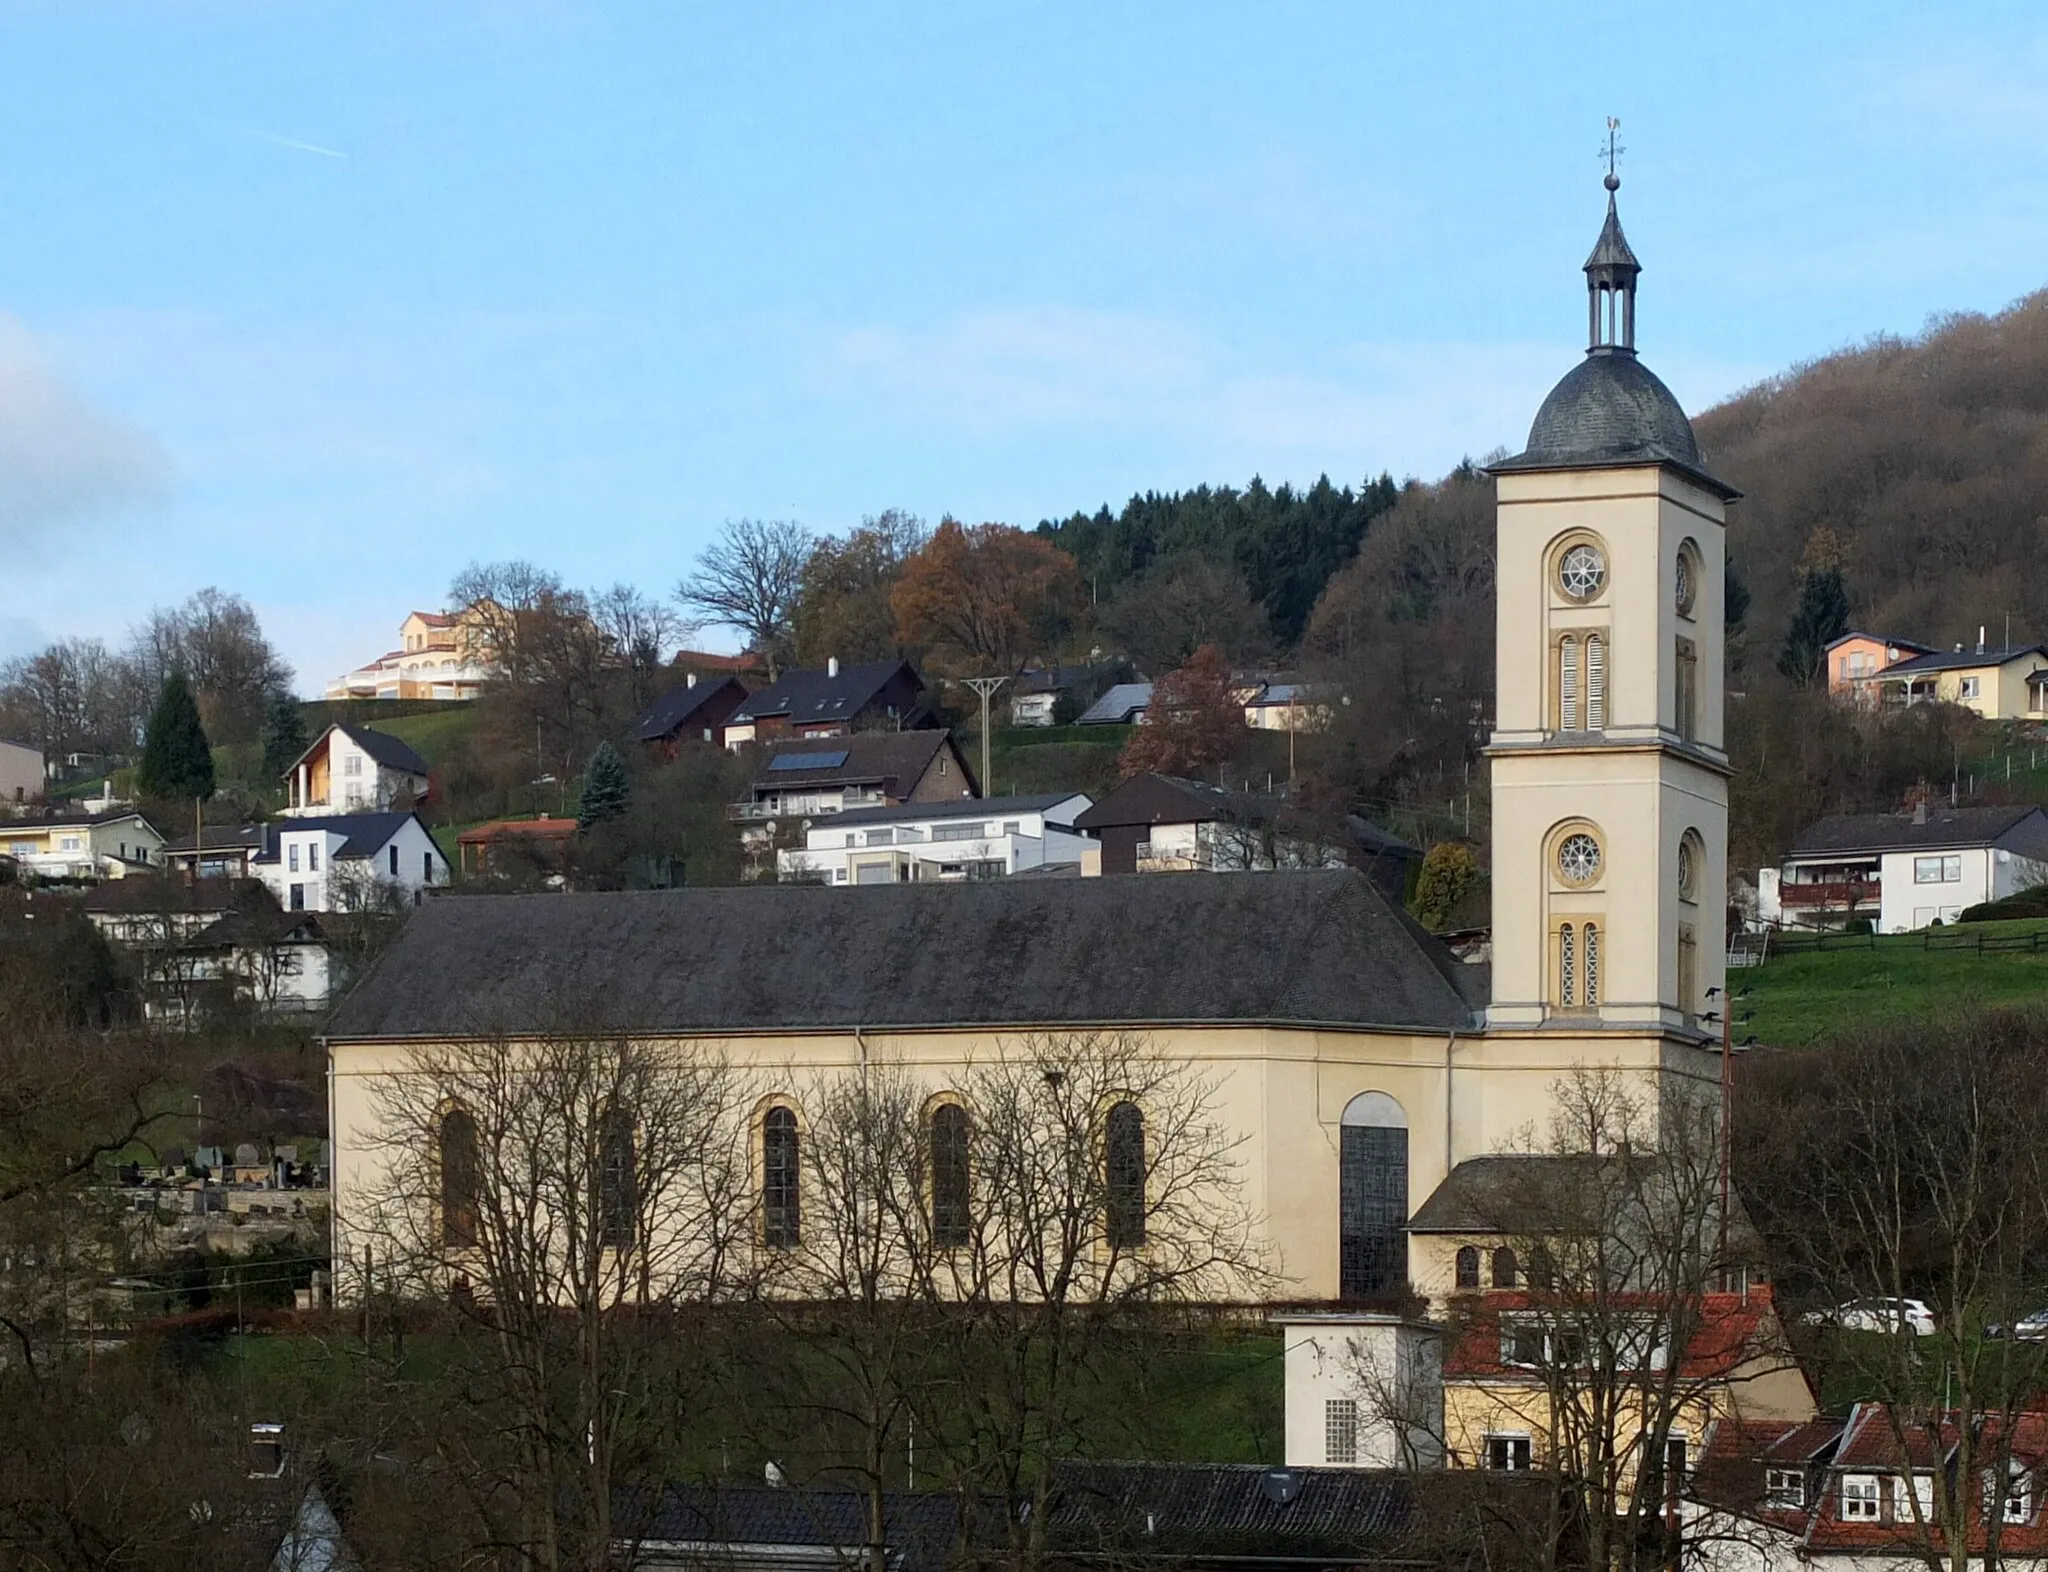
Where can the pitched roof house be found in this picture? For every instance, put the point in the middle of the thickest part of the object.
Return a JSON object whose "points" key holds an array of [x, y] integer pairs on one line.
{"points": [[1905, 870], [963, 838], [1122, 705], [696, 709], [871, 769], [1998, 683], [321, 863], [830, 701], [81, 845], [353, 769]]}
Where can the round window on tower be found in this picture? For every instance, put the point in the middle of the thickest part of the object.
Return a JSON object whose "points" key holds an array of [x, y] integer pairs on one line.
{"points": [[1582, 572], [1691, 855], [1578, 859], [1687, 579]]}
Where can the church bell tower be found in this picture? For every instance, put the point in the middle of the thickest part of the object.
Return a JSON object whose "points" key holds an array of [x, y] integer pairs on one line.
{"points": [[1610, 779]]}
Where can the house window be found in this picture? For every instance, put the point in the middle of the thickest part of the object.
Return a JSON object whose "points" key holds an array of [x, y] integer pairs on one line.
{"points": [[959, 832], [879, 837], [427, 867], [1340, 1430], [1784, 1487], [1506, 1454], [291, 858], [1503, 1268], [312, 856], [297, 901], [1968, 688], [1523, 1345], [1916, 1493], [2018, 1497], [1860, 1497], [352, 764], [951, 1177], [1125, 1175], [460, 1170], [394, 861], [1937, 870], [781, 1180], [618, 1200], [1467, 1267], [1013, 826]]}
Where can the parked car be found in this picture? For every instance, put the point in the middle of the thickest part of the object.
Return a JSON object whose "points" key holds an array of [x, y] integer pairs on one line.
{"points": [[1882, 1315], [2028, 1328]]}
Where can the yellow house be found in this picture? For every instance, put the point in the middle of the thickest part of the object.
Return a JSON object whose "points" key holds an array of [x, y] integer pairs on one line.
{"points": [[1998, 683], [441, 655], [82, 846]]}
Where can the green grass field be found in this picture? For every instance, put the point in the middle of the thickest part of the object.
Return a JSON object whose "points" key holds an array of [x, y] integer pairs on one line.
{"points": [[432, 733], [1801, 998]]}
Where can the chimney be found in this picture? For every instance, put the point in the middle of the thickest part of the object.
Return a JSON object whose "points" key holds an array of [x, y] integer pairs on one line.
{"points": [[1920, 811], [1980, 638], [832, 666]]}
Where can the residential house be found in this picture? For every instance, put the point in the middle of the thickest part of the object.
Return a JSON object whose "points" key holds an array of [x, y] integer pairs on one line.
{"points": [[1122, 705], [1856, 658], [439, 656], [321, 864], [1997, 683], [695, 710], [1035, 696], [87, 846], [1165, 824], [1858, 1494], [209, 944], [1904, 870], [876, 769], [352, 769], [21, 772], [515, 845], [966, 838], [1286, 705], [830, 702]]}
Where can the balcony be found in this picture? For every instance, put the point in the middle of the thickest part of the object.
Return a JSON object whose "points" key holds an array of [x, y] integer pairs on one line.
{"points": [[796, 807], [1171, 859], [1830, 897]]}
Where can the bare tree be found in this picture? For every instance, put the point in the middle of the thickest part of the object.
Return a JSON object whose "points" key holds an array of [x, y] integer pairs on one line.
{"points": [[748, 579], [641, 631], [573, 1195], [215, 639], [1910, 1163]]}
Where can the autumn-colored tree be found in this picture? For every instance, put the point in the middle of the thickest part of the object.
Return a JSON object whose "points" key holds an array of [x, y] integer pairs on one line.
{"points": [[842, 599], [984, 598], [1193, 723]]}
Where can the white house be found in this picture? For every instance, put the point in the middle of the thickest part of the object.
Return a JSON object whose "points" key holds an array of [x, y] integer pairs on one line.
{"points": [[352, 769], [1364, 1390], [336, 863], [967, 838], [1904, 870]]}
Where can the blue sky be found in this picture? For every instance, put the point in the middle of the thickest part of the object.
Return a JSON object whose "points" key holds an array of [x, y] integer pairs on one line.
{"points": [[318, 302]]}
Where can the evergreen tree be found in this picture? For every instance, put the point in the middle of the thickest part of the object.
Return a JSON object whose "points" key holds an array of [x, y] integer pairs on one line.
{"points": [[177, 760], [605, 787], [284, 734], [1821, 618]]}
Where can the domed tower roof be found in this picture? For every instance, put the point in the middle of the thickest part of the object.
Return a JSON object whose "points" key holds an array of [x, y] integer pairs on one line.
{"points": [[1610, 410]]}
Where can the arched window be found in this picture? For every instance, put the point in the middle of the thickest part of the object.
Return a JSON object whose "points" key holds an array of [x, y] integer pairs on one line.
{"points": [[1591, 989], [1686, 699], [1596, 683], [1503, 1268], [1372, 1196], [950, 1176], [781, 1180], [1542, 1271], [1568, 684], [1468, 1266], [1125, 1174], [618, 1198], [460, 1170], [1567, 966]]}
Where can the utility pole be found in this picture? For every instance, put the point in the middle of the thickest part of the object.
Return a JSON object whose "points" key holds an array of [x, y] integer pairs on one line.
{"points": [[986, 687]]}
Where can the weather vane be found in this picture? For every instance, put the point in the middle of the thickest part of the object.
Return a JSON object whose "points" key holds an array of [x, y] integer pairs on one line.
{"points": [[1612, 151]]}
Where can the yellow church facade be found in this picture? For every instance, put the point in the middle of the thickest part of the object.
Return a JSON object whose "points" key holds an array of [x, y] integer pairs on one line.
{"points": [[1354, 1063]]}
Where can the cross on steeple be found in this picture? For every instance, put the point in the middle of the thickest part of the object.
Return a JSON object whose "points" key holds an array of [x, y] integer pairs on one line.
{"points": [[1611, 152]]}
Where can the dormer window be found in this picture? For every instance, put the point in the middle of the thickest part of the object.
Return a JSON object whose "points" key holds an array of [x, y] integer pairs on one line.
{"points": [[1861, 1496], [1784, 1487]]}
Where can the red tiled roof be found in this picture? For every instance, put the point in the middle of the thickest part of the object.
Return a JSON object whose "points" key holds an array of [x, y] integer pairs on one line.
{"points": [[1733, 1330], [518, 829]]}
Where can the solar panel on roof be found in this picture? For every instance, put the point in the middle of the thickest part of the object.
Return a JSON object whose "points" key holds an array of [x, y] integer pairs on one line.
{"points": [[808, 761]]}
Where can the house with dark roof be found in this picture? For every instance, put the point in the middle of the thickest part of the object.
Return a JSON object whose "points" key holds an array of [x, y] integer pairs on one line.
{"points": [[1904, 871], [695, 710], [353, 769], [1997, 682], [797, 779], [81, 846], [1123, 705], [1857, 657], [206, 945], [831, 701], [961, 838], [334, 862], [1168, 824]]}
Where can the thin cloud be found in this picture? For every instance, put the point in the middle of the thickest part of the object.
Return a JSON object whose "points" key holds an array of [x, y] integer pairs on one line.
{"points": [[62, 462], [291, 141]]}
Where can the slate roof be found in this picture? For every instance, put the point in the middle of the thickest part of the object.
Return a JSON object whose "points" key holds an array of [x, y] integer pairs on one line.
{"points": [[673, 709], [59, 820], [383, 748], [1224, 1505], [221, 837], [1173, 799], [1612, 410], [1885, 639], [1314, 946], [363, 834], [2019, 827], [920, 1529], [1961, 660], [149, 895], [1612, 250], [814, 695], [1115, 707], [895, 760], [954, 808], [1473, 1195]]}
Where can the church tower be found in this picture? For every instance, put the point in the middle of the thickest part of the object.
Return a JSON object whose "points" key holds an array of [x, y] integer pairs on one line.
{"points": [[1610, 779]]}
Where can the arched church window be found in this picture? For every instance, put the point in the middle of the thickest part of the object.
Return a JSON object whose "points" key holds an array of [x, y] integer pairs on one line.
{"points": [[1688, 971], [781, 1180], [1568, 684], [460, 1172], [1686, 701], [1582, 572], [1468, 1266], [1686, 579], [1567, 965], [1372, 1196], [1596, 683], [950, 1178], [1125, 1173], [618, 1180], [1579, 858], [1691, 855], [1591, 988], [1503, 1268]]}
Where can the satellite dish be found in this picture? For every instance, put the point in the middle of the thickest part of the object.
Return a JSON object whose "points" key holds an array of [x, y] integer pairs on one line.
{"points": [[1281, 1485]]}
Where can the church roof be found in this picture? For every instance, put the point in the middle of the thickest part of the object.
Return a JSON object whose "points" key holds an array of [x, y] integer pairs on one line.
{"points": [[1317, 946], [1612, 248], [1611, 410]]}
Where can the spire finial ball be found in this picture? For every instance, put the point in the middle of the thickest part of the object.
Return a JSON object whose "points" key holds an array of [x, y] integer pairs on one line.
{"points": [[1611, 181]]}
